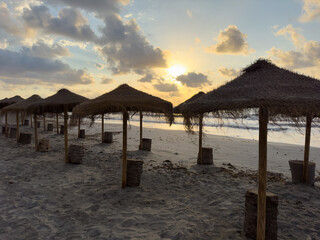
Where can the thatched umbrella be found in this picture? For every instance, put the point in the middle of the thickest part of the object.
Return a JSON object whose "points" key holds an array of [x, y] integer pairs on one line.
{"points": [[124, 99], [63, 101], [275, 92], [177, 109], [6, 102], [21, 107]]}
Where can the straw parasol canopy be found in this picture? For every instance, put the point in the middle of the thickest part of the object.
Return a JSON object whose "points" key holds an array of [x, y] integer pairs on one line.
{"points": [[8, 101], [124, 99], [274, 91], [62, 101], [22, 105]]}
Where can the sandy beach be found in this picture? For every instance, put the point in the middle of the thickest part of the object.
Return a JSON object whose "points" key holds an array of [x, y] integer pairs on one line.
{"points": [[43, 198]]}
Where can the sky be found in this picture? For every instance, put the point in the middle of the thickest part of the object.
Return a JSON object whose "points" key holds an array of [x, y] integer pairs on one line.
{"points": [[170, 49]]}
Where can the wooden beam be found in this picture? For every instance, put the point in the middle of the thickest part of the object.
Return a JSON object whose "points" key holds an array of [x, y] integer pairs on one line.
{"points": [[44, 121], [124, 150], [200, 138], [57, 122], [263, 133], [79, 126], [141, 116], [307, 147], [65, 114], [6, 123], [18, 129], [102, 127], [36, 132]]}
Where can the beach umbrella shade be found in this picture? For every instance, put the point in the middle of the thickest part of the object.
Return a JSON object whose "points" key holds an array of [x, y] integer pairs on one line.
{"points": [[61, 102], [124, 99], [276, 92], [6, 102], [177, 110], [20, 107]]}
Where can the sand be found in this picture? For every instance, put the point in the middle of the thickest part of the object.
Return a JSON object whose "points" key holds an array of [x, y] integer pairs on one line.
{"points": [[43, 198]]}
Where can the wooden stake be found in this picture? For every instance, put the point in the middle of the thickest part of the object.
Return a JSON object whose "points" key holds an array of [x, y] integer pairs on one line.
{"points": [[140, 146], [6, 119], [65, 134], [57, 122], [79, 125], [200, 138], [31, 121], [102, 127], [263, 133], [18, 130], [44, 122], [307, 147], [124, 150], [36, 132], [22, 118]]}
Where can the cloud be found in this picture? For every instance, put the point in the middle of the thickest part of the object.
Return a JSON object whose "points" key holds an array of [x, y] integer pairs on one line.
{"points": [[21, 68], [189, 13], [69, 23], [311, 11], [6, 21], [166, 87], [42, 50], [127, 50], [230, 41], [297, 39], [193, 79], [106, 80], [99, 66], [147, 78], [229, 72], [197, 41]]}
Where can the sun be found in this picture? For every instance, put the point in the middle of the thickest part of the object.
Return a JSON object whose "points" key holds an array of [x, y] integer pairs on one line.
{"points": [[176, 70]]}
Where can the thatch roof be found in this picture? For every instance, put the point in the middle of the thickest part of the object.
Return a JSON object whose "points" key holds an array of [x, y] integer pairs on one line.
{"points": [[57, 102], [177, 109], [124, 98], [262, 84], [22, 105], [8, 101]]}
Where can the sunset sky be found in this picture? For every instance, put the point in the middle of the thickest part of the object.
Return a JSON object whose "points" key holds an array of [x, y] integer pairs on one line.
{"points": [[171, 49]]}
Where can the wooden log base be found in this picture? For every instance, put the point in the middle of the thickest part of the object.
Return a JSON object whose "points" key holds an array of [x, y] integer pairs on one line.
{"points": [[134, 172], [296, 167], [207, 157], [50, 127], [12, 133], [107, 137], [82, 133], [25, 138], [26, 122], [61, 129], [146, 144], [43, 145], [75, 154], [250, 219]]}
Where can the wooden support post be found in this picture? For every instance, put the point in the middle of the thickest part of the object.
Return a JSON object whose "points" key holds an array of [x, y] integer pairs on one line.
{"points": [[262, 190], [307, 148], [141, 116], [200, 138], [31, 121], [44, 122], [66, 134], [57, 122], [36, 132], [22, 118], [79, 125], [102, 127], [124, 150], [6, 124], [18, 130]]}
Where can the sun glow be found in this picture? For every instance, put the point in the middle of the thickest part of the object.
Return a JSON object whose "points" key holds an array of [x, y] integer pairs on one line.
{"points": [[176, 70]]}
